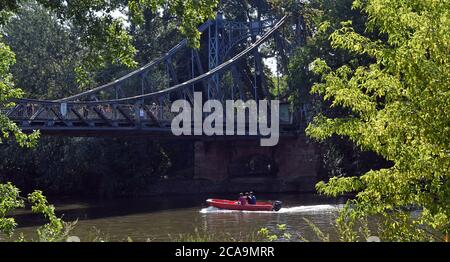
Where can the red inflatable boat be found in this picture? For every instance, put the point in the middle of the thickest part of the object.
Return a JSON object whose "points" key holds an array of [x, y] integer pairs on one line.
{"points": [[234, 205]]}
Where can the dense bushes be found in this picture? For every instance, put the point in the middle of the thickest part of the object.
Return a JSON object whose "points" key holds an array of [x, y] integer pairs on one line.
{"points": [[93, 166]]}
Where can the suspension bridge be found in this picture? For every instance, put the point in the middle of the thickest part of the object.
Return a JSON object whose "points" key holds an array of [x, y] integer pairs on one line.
{"points": [[140, 101], [227, 66]]}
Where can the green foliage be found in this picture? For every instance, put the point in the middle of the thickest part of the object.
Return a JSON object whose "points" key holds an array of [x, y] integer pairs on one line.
{"points": [[203, 235], [47, 53], [397, 108], [10, 200], [321, 17], [56, 229], [102, 26], [344, 229], [104, 167], [8, 92], [113, 45], [9, 129], [190, 13], [280, 233], [277, 234], [320, 235], [9, 196]]}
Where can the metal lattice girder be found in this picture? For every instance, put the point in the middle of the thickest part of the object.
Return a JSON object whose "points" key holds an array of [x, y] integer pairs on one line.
{"points": [[224, 36], [137, 108], [213, 60], [60, 117], [145, 110], [147, 67], [173, 75], [151, 115], [188, 95], [100, 113], [125, 114], [81, 117]]}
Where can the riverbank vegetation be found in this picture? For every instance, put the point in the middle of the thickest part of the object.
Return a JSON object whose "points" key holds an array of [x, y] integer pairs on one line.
{"points": [[398, 108], [55, 230], [371, 78], [52, 49]]}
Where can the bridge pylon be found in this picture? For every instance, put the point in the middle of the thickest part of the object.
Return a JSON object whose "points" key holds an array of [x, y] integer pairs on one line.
{"points": [[140, 101]]}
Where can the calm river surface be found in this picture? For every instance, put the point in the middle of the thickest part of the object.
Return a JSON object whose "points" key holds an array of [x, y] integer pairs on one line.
{"points": [[166, 218]]}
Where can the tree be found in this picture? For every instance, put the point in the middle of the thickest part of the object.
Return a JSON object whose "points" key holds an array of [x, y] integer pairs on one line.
{"points": [[339, 156], [104, 39], [102, 29], [9, 194], [47, 53], [7, 92], [104, 35], [399, 106]]}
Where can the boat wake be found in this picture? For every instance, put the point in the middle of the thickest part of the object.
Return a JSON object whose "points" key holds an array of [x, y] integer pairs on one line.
{"points": [[296, 209], [310, 209]]}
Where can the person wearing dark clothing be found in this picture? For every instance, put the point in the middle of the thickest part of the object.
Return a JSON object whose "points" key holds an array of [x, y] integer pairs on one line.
{"points": [[251, 198]]}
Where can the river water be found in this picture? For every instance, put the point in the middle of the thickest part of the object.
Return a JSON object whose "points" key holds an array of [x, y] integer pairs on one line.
{"points": [[176, 218]]}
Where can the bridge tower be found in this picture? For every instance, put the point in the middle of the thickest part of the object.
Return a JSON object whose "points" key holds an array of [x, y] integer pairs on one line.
{"points": [[213, 57], [223, 36]]}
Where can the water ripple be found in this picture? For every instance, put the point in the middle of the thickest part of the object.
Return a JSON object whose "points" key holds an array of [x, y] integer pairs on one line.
{"points": [[295, 209]]}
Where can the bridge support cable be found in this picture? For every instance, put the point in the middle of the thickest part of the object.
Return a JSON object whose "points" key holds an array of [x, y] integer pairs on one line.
{"points": [[139, 111], [138, 71], [229, 32]]}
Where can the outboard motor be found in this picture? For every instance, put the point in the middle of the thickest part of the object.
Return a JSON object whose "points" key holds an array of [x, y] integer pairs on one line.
{"points": [[277, 205]]}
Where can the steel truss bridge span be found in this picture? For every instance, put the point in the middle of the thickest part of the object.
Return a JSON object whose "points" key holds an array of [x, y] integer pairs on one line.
{"points": [[147, 111]]}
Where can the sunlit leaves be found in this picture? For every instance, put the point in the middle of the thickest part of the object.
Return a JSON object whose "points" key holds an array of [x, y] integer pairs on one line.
{"points": [[189, 13], [103, 26], [10, 199], [54, 229], [338, 186], [400, 108], [113, 45], [7, 92], [8, 202]]}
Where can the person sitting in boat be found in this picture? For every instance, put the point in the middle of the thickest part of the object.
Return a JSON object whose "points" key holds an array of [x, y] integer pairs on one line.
{"points": [[242, 199], [251, 198]]}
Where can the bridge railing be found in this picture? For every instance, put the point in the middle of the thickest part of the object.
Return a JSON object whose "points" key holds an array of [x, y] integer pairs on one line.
{"points": [[107, 116], [85, 114], [144, 110]]}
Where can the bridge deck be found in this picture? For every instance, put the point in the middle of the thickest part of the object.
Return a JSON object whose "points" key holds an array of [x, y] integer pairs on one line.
{"points": [[161, 132]]}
